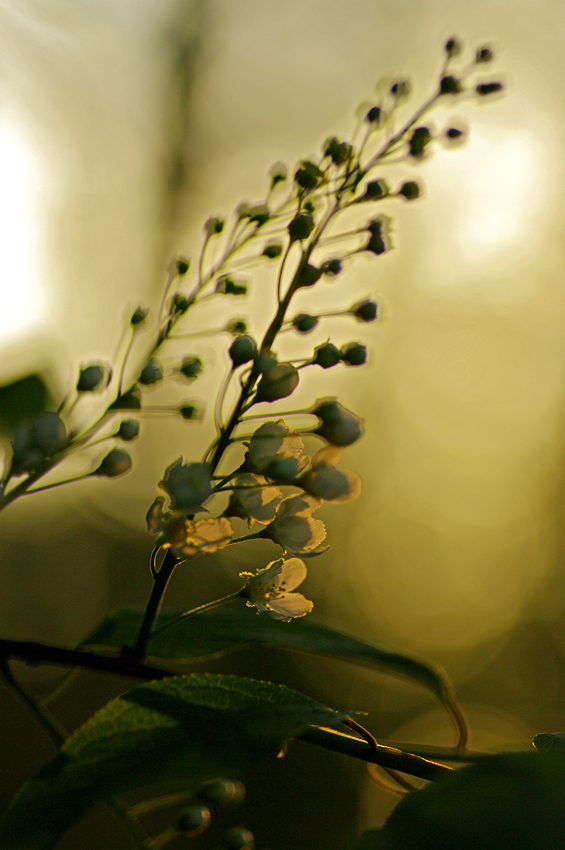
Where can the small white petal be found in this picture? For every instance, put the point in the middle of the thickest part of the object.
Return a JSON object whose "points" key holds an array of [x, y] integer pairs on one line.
{"points": [[292, 574], [289, 605]]}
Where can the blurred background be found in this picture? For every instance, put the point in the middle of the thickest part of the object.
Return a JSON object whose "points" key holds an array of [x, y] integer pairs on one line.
{"points": [[123, 126]]}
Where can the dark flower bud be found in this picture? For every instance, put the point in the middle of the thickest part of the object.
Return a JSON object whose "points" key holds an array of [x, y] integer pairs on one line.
{"points": [[339, 426], [309, 207], [128, 430], [354, 354], [326, 355], [449, 85], [278, 173], [48, 432], [272, 250], [409, 190], [191, 367], [138, 316], [189, 411], [213, 225], [331, 267], [278, 382], [419, 140], [304, 323], [259, 214], [301, 226], [265, 361], [180, 303], [193, 820], [242, 350], [339, 152], [117, 462], [128, 401], [236, 326], [483, 54], [225, 285], [373, 116], [308, 175], [152, 373], [376, 244], [400, 89], [224, 792], [242, 210], [452, 47], [182, 266], [91, 377], [375, 190], [307, 276], [365, 311], [484, 89], [238, 838], [454, 133]]}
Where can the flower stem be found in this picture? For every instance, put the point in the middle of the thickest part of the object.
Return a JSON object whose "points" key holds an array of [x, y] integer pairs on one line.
{"points": [[136, 653], [193, 611]]}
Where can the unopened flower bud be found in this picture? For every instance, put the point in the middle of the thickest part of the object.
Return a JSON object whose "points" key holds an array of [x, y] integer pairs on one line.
{"points": [[375, 190], [236, 326], [365, 311], [182, 266], [339, 152], [189, 411], [187, 484], [376, 244], [238, 838], [331, 267], [484, 89], [180, 303], [373, 116], [193, 820], [301, 226], [48, 432], [259, 214], [449, 85], [278, 382], [242, 350], [400, 89], [151, 373], [224, 792], [419, 140], [213, 226], [225, 285], [117, 462], [284, 469], [131, 400], [453, 47], [138, 316], [128, 430], [454, 133], [264, 361], [339, 426], [307, 276], [278, 173], [304, 323], [308, 176], [272, 250], [354, 354], [483, 54], [326, 355], [90, 378], [191, 367], [409, 190]]}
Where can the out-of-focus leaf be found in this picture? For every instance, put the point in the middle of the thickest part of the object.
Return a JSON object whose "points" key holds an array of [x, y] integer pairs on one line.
{"points": [[22, 399], [218, 632], [510, 801], [550, 741], [182, 729]]}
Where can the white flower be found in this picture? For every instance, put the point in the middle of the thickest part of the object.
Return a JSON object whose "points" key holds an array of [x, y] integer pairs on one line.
{"points": [[268, 590], [324, 481], [184, 537], [258, 499], [188, 485], [294, 529], [272, 441]]}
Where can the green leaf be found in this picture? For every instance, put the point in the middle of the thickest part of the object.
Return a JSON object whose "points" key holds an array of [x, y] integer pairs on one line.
{"points": [[184, 729], [509, 801], [218, 632]]}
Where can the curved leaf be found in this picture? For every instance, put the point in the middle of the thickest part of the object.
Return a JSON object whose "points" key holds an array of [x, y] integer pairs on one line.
{"points": [[182, 729], [219, 632]]}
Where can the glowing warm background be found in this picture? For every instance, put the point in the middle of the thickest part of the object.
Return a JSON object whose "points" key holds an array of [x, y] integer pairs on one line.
{"points": [[109, 164]]}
